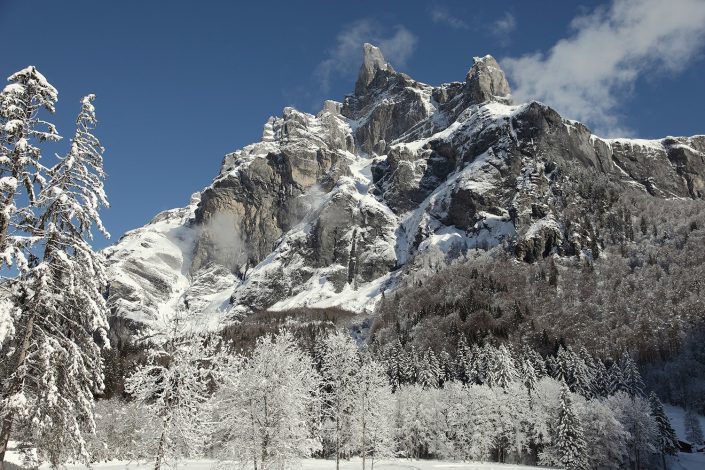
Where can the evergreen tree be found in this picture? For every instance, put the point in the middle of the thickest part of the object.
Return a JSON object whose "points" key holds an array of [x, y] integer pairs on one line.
{"points": [[617, 381], [429, 372], [21, 132], [447, 367], [462, 363], [475, 365], [503, 371], [569, 447], [535, 359], [564, 365], [633, 383], [582, 377], [527, 374], [552, 368], [59, 294], [585, 370], [601, 379], [393, 360], [406, 368], [484, 364], [667, 442], [411, 366]]}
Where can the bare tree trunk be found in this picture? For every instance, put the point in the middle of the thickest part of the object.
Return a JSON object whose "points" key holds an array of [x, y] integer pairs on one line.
{"points": [[337, 439], [5, 437], [254, 440], [15, 388], [4, 223], [160, 449], [265, 438], [364, 442]]}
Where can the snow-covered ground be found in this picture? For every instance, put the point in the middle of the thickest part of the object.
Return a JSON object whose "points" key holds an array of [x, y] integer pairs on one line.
{"points": [[695, 461], [675, 415], [688, 462], [319, 464]]}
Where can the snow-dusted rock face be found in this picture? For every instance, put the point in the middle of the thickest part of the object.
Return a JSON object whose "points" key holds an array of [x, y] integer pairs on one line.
{"points": [[330, 210]]}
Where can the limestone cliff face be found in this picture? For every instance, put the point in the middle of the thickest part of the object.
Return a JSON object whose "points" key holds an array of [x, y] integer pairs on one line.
{"points": [[332, 209]]}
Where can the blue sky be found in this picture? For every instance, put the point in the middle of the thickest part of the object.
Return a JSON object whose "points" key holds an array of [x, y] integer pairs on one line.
{"points": [[179, 83]]}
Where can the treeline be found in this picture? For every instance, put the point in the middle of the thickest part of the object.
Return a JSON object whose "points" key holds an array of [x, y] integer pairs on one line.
{"points": [[500, 365], [279, 403]]}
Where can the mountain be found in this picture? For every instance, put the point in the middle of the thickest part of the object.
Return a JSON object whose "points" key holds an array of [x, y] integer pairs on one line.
{"points": [[336, 209]]}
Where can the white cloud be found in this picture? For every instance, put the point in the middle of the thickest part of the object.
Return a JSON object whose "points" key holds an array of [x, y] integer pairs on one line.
{"points": [[345, 58], [504, 25], [441, 15], [587, 75]]}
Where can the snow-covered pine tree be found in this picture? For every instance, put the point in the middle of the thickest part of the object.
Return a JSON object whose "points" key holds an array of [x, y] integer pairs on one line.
{"points": [[552, 368], [527, 374], [429, 371], [266, 403], [631, 375], [563, 371], [21, 132], [462, 363], [173, 386], [693, 430], [535, 359], [340, 376], [569, 449], [412, 365], [600, 379], [582, 376], [503, 370], [374, 414], [57, 363], [393, 365], [667, 440], [474, 367], [484, 363], [447, 367], [616, 379]]}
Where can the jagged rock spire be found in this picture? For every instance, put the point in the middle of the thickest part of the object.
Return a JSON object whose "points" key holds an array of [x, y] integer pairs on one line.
{"points": [[486, 81], [372, 61]]}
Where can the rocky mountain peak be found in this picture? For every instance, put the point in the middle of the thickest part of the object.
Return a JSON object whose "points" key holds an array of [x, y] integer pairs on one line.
{"points": [[372, 62], [486, 81], [335, 209]]}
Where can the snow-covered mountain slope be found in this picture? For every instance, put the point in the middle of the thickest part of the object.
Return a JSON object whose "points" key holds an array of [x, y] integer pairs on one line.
{"points": [[332, 209]]}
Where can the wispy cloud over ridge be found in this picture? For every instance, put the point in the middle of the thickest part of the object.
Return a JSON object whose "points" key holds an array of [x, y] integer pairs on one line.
{"points": [[503, 26], [441, 15], [588, 75]]}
